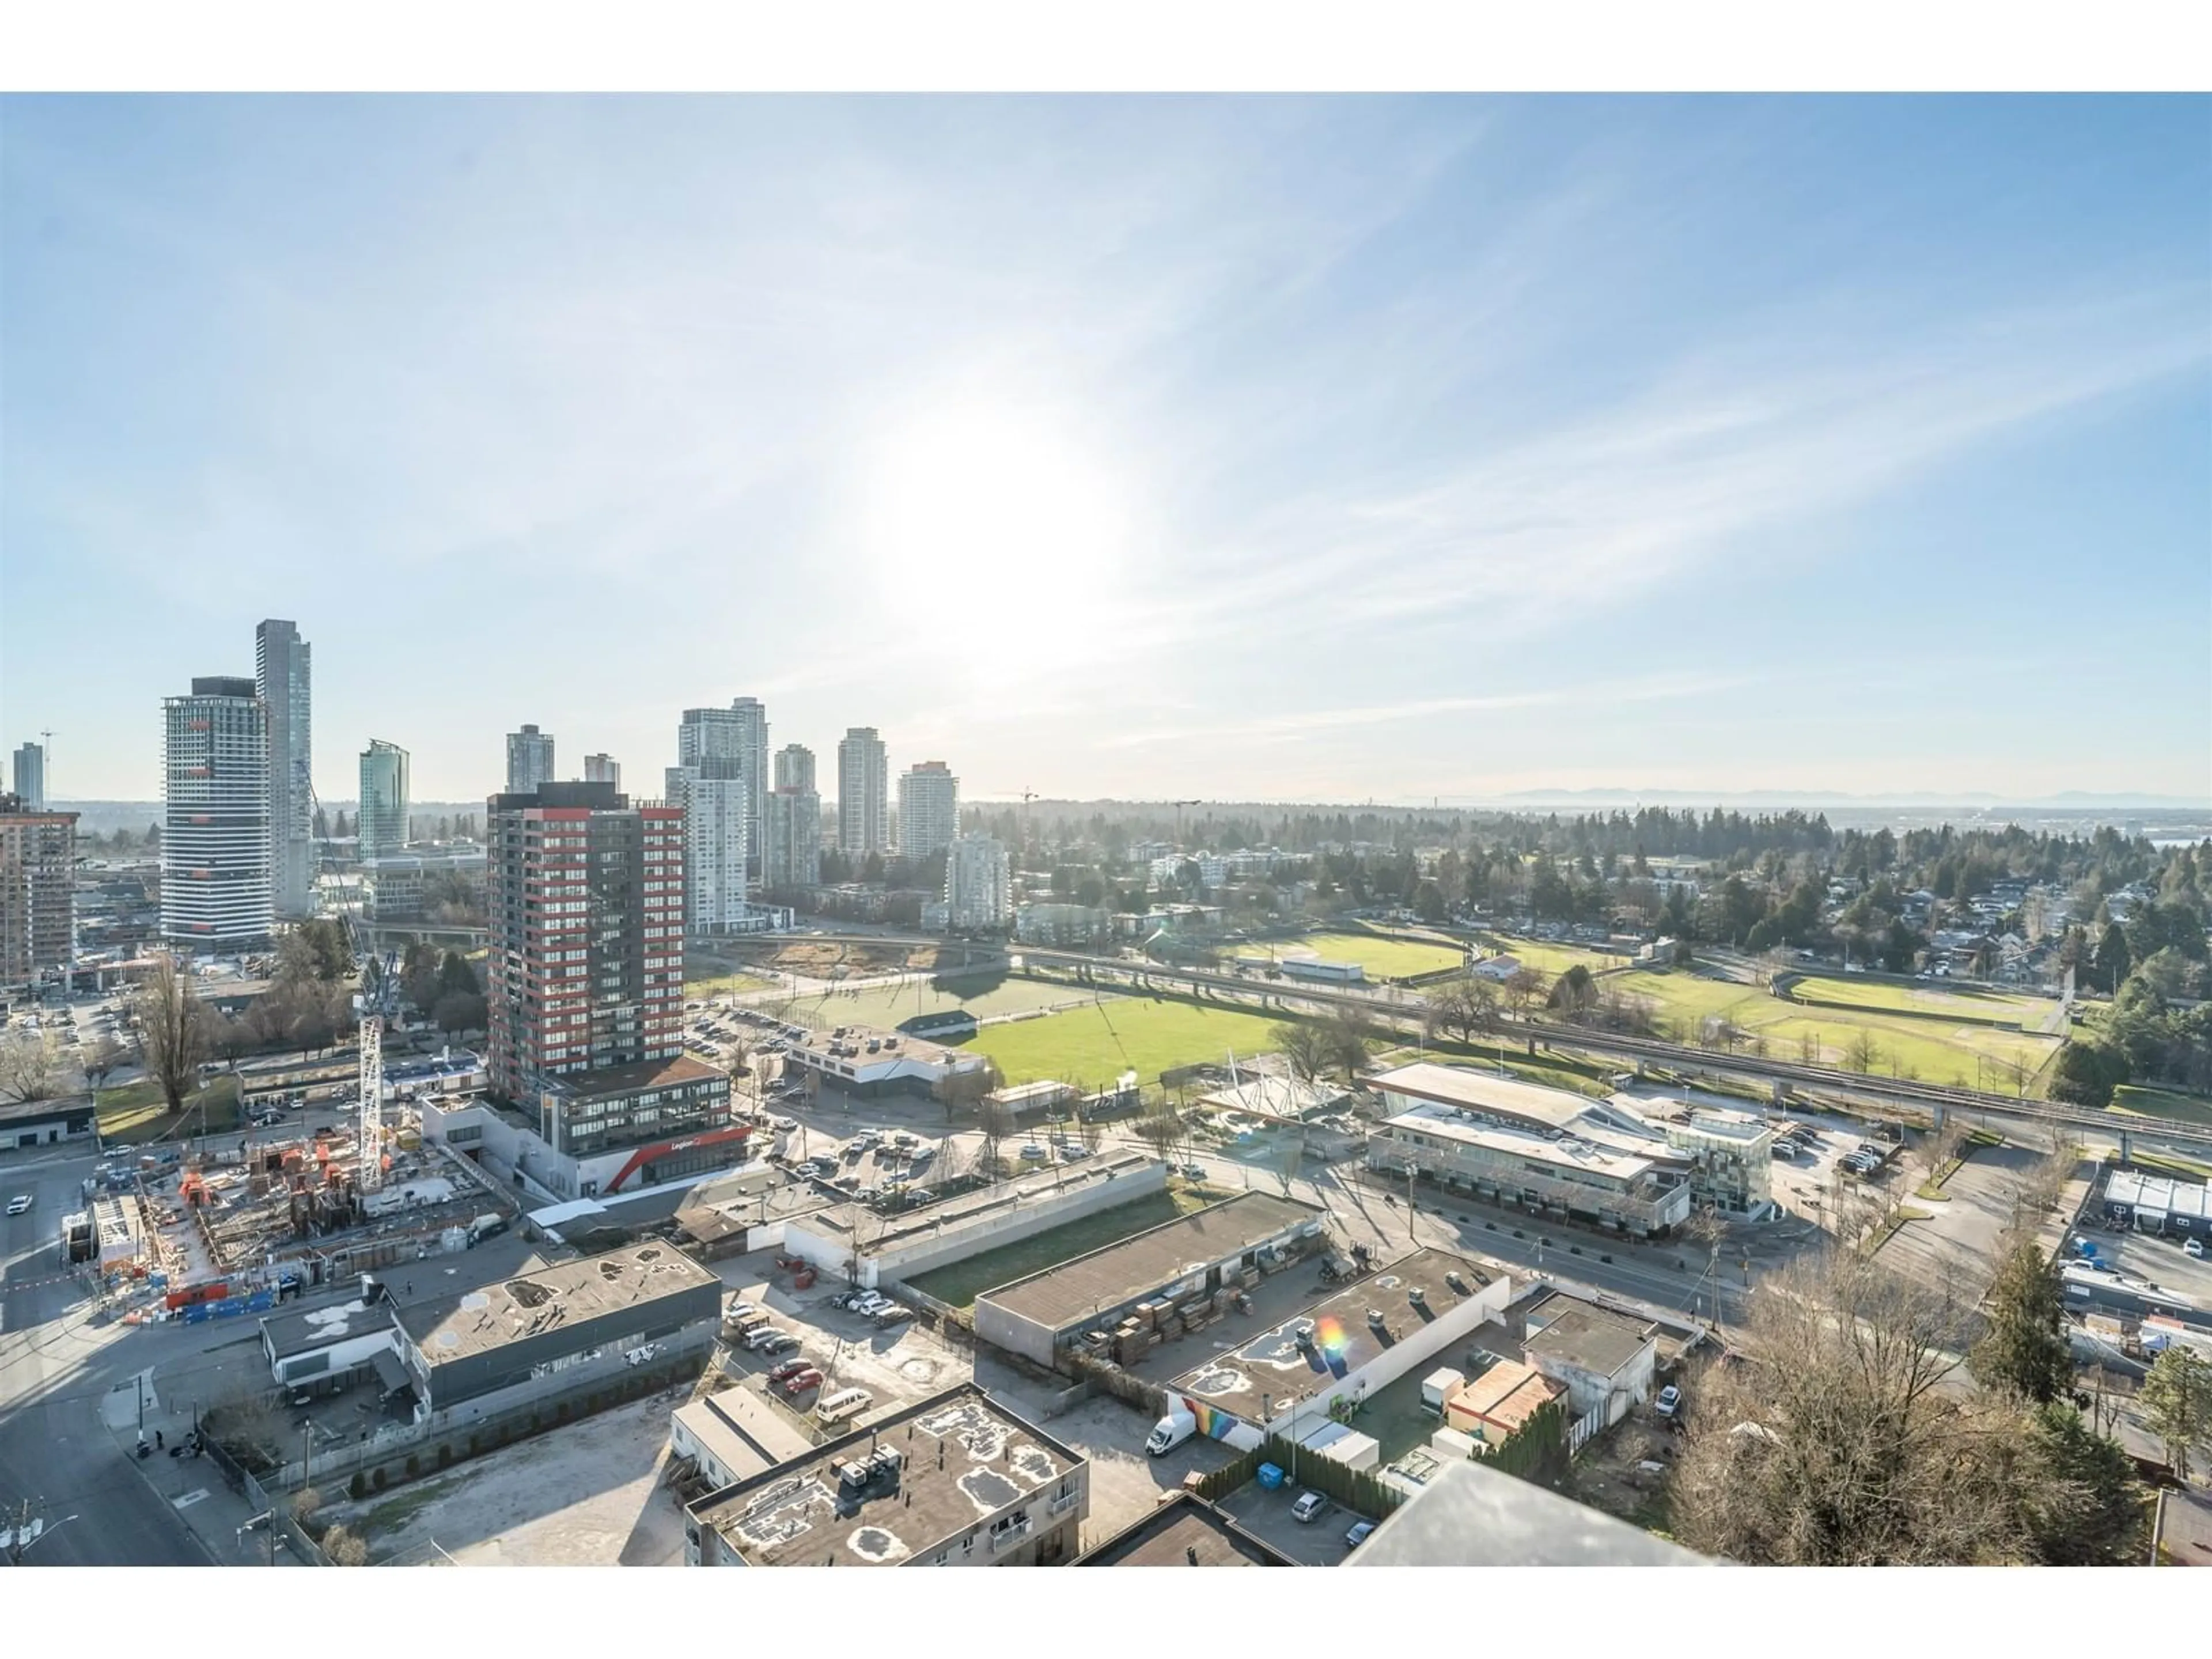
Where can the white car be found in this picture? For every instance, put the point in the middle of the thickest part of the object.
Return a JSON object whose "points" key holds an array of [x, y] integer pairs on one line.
{"points": [[1669, 1401], [19, 1204], [785, 1124], [2193, 1247]]}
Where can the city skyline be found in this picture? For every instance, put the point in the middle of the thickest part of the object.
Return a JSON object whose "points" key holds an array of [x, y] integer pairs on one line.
{"points": [[1457, 447]]}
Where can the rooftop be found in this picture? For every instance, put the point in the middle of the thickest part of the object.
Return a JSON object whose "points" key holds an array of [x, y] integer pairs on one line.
{"points": [[624, 1079], [1468, 1515], [742, 1432], [1576, 1150], [890, 1232], [1482, 1092], [1061, 1297], [1582, 1334], [1509, 1393], [1181, 1526], [1259, 1380], [450, 1327], [319, 1328], [814, 1050], [961, 1459]]}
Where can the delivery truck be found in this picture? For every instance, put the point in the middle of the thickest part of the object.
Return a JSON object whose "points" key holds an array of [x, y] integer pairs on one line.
{"points": [[1171, 1431]]}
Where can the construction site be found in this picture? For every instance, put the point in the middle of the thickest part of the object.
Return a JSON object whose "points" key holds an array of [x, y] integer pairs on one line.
{"points": [[234, 1230]]}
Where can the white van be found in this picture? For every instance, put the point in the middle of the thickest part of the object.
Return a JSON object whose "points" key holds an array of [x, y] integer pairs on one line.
{"points": [[846, 1402]]}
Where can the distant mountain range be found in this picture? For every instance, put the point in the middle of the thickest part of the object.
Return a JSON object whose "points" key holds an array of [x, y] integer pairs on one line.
{"points": [[2079, 800]]}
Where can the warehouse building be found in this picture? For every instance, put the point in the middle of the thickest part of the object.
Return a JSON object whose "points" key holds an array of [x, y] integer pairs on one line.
{"points": [[627, 1307], [1342, 1349], [852, 1240], [2157, 1204], [1192, 1256], [1604, 1360], [735, 1435], [955, 1480]]}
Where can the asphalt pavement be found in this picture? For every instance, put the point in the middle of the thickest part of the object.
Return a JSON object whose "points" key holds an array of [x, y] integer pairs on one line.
{"points": [[62, 1363]]}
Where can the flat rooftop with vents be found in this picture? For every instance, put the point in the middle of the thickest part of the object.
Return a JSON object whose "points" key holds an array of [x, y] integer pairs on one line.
{"points": [[1184, 1530], [550, 1317], [1031, 1315], [955, 1480]]}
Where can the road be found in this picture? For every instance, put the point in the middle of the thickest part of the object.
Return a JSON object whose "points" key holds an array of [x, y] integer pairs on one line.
{"points": [[60, 1364]]}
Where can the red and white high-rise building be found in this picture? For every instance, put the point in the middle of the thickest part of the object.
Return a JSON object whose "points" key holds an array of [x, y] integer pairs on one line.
{"points": [[585, 981]]}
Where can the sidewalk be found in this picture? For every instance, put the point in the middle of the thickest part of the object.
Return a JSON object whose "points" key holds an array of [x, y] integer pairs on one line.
{"points": [[193, 1486]]}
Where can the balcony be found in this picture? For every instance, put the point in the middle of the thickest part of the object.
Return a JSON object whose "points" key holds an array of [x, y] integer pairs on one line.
{"points": [[1006, 1538]]}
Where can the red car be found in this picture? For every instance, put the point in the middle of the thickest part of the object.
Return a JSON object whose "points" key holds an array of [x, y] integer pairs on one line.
{"points": [[789, 1369], [799, 1384]]}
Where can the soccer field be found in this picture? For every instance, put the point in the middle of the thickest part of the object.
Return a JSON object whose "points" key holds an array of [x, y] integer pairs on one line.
{"points": [[1551, 960], [1382, 958], [1096, 1044], [884, 1006], [1960, 1002], [1925, 1048]]}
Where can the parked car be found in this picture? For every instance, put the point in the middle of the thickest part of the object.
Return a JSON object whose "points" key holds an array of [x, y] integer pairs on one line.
{"points": [[1358, 1535], [1669, 1401], [788, 1369], [1309, 1506], [2193, 1247], [785, 1124], [800, 1383], [781, 1342]]}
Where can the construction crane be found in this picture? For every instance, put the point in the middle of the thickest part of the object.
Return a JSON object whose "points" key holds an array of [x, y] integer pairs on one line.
{"points": [[1178, 806], [374, 1006]]}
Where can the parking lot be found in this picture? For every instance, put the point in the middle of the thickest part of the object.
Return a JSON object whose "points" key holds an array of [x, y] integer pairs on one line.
{"points": [[1319, 1542], [896, 1364]]}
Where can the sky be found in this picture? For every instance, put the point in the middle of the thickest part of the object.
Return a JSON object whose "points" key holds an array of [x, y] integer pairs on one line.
{"points": [[1248, 448]]}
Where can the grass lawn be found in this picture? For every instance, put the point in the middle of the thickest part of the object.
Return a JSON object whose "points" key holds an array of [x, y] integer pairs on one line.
{"points": [[712, 979], [137, 1112], [1382, 958], [1932, 1052], [885, 1006], [1096, 1044], [1957, 1003], [963, 1281], [1551, 960], [2139, 1102]]}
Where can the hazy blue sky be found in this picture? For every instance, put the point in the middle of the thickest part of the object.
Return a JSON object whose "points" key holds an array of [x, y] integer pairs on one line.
{"points": [[1276, 448]]}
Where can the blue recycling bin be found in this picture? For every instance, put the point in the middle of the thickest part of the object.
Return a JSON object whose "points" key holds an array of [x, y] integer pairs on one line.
{"points": [[1270, 1476]]}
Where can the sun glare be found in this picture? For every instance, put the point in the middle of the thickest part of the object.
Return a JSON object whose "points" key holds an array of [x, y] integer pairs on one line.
{"points": [[995, 520]]}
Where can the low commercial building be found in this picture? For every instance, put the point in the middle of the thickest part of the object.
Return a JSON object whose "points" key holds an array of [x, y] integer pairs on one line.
{"points": [[1288, 1098], [1494, 1406], [956, 1480], [322, 1348], [1603, 1162], [1320, 971], [1183, 1530], [1193, 1255], [2149, 1204], [46, 1122], [869, 1063], [1731, 1157], [853, 1242], [1031, 1100], [734, 1435], [647, 1302], [1567, 1174], [1604, 1360], [1354, 1343]]}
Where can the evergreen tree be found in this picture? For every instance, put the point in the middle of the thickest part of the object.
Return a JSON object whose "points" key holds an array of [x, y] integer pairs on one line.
{"points": [[2083, 1506], [2177, 1403], [2113, 957], [2025, 1348]]}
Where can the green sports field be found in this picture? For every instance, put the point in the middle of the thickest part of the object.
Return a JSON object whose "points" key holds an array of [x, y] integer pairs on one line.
{"points": [[138, 1112], [1382, 958], [1926, 1048], [962, 1282], [1962, 1003], [1096, 1044], [1550, 960], [2136, 1100], [885, 1006]]}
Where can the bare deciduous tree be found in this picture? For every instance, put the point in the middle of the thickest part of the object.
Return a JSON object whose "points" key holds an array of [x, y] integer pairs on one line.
{"points": [[1862, 1053], [171, 1034], [31, 1066], [1829, 1441], [1939, 1146], [1303, 1046]]}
